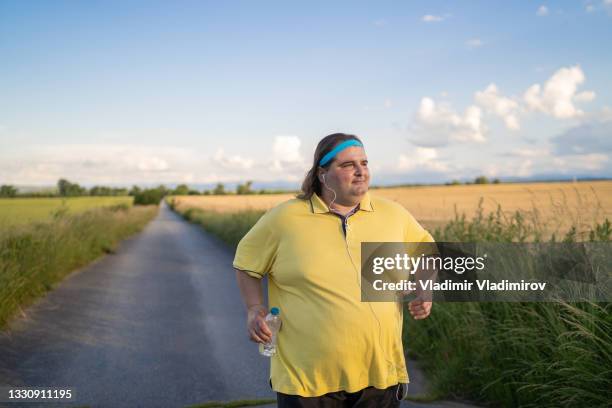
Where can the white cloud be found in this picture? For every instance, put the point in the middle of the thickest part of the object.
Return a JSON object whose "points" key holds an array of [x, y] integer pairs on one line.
{"points": [[438, 124], [558, 94], [431, 18], [109, 164], [525, 168], [97, 164], [287, 148], [381, 22], [590, 162], [505, 108], [421, 158], [530, 153], [287, 158], [586, 96], [605, 5], [542, 11], [152, 164], [388, 103], [474, 43], [606, 113], [234, 162]]}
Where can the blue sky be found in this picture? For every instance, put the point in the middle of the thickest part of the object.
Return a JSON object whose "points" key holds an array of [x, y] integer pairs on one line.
{"points": [[200, 92]]}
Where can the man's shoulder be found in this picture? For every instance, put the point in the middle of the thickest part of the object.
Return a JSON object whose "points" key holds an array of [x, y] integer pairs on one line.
{"points": [[293, 206], [390, 208], [387, 205]]}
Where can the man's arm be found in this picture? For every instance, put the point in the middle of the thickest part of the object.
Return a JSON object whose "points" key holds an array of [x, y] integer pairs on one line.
{"points": [[252, 296], [420, 308]]}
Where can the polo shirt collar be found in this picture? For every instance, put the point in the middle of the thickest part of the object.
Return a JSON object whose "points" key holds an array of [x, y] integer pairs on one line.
{"points": [[318, 206]]}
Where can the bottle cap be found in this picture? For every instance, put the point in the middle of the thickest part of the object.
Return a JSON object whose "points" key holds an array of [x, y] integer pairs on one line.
{"points": [[275, 311]]}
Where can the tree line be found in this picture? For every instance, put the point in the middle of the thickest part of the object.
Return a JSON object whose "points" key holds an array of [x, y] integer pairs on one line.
{"points": [[477, 180], [66, 188]]}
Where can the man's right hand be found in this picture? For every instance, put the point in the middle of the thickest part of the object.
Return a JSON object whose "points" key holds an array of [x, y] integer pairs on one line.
{"points": [[259, 332]]}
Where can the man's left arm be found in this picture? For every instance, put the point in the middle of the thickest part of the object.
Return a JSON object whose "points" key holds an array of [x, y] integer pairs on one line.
{"points": [[425, 276], [420, 308]]}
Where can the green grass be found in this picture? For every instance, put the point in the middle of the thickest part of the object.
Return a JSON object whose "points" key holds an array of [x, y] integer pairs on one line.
{"points": [[230, 227], [504, 354], [19, 211], [35, 256], [516, 354]]}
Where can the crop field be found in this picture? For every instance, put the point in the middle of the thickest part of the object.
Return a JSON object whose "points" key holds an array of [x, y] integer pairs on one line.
{"points": [[553, 206], [19, 211]]}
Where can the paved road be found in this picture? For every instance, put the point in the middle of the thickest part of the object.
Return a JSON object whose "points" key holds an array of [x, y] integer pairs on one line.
{"points": [[158, 324]]}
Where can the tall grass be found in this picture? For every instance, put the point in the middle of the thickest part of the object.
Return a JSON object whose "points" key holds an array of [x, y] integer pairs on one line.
{"points": [[516, 354], [35, 256], [502, 354], [230, 227]]}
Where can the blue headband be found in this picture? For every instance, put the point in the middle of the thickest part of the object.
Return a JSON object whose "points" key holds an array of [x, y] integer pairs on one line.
{"points": [[333, 152]]}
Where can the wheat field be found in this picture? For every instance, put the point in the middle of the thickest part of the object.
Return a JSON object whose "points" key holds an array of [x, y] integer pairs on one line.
{"points": [[555, 205]]}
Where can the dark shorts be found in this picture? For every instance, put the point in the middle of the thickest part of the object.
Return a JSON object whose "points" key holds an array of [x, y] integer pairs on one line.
{"points": [[369, 397]]}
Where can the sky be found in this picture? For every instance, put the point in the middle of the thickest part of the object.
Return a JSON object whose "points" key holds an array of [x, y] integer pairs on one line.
{"points": [[122, 93]]}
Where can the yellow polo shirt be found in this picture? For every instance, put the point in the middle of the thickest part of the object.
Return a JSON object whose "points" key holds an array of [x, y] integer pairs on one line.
{"points": [[329, 340]]}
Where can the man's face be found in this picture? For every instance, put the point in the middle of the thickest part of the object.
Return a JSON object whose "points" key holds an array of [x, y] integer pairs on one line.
{"points": [[348, 175]]}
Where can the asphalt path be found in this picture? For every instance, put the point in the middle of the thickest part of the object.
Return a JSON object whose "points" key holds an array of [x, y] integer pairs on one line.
{"points": [[159, 323]]}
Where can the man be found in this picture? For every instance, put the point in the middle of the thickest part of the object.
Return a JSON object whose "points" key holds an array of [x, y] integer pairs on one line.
{"points": [[333, 349]]}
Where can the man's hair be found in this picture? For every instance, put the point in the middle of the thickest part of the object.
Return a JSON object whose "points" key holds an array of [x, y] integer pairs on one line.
{"points": [[311, 183]]}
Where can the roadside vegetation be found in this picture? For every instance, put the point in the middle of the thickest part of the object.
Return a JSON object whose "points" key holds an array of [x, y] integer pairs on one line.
{"points": [[36, 255]]}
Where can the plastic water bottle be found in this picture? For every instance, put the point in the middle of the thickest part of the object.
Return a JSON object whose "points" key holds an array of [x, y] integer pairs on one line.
{"points": [[273, 321]]}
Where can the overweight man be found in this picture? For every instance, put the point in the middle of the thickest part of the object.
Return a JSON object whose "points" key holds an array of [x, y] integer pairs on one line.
{"points": [[333, 349]]}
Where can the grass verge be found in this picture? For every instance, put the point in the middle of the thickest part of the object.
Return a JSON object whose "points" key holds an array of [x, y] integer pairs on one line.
{"points": [[36, 256]]}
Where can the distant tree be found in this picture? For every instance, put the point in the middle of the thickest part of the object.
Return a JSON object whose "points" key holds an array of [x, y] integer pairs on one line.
{"points": [[134, 190], [219, 189], [68, 189], [481, 180], [193, 192], [63, 186], [244, 188], [107, 191], [150, 196], [182, 189], [7, 190], [99, 191], [496, 181]]}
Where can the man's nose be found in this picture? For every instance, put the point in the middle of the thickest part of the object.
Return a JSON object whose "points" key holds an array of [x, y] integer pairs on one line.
{"points": [[359, 170]]}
